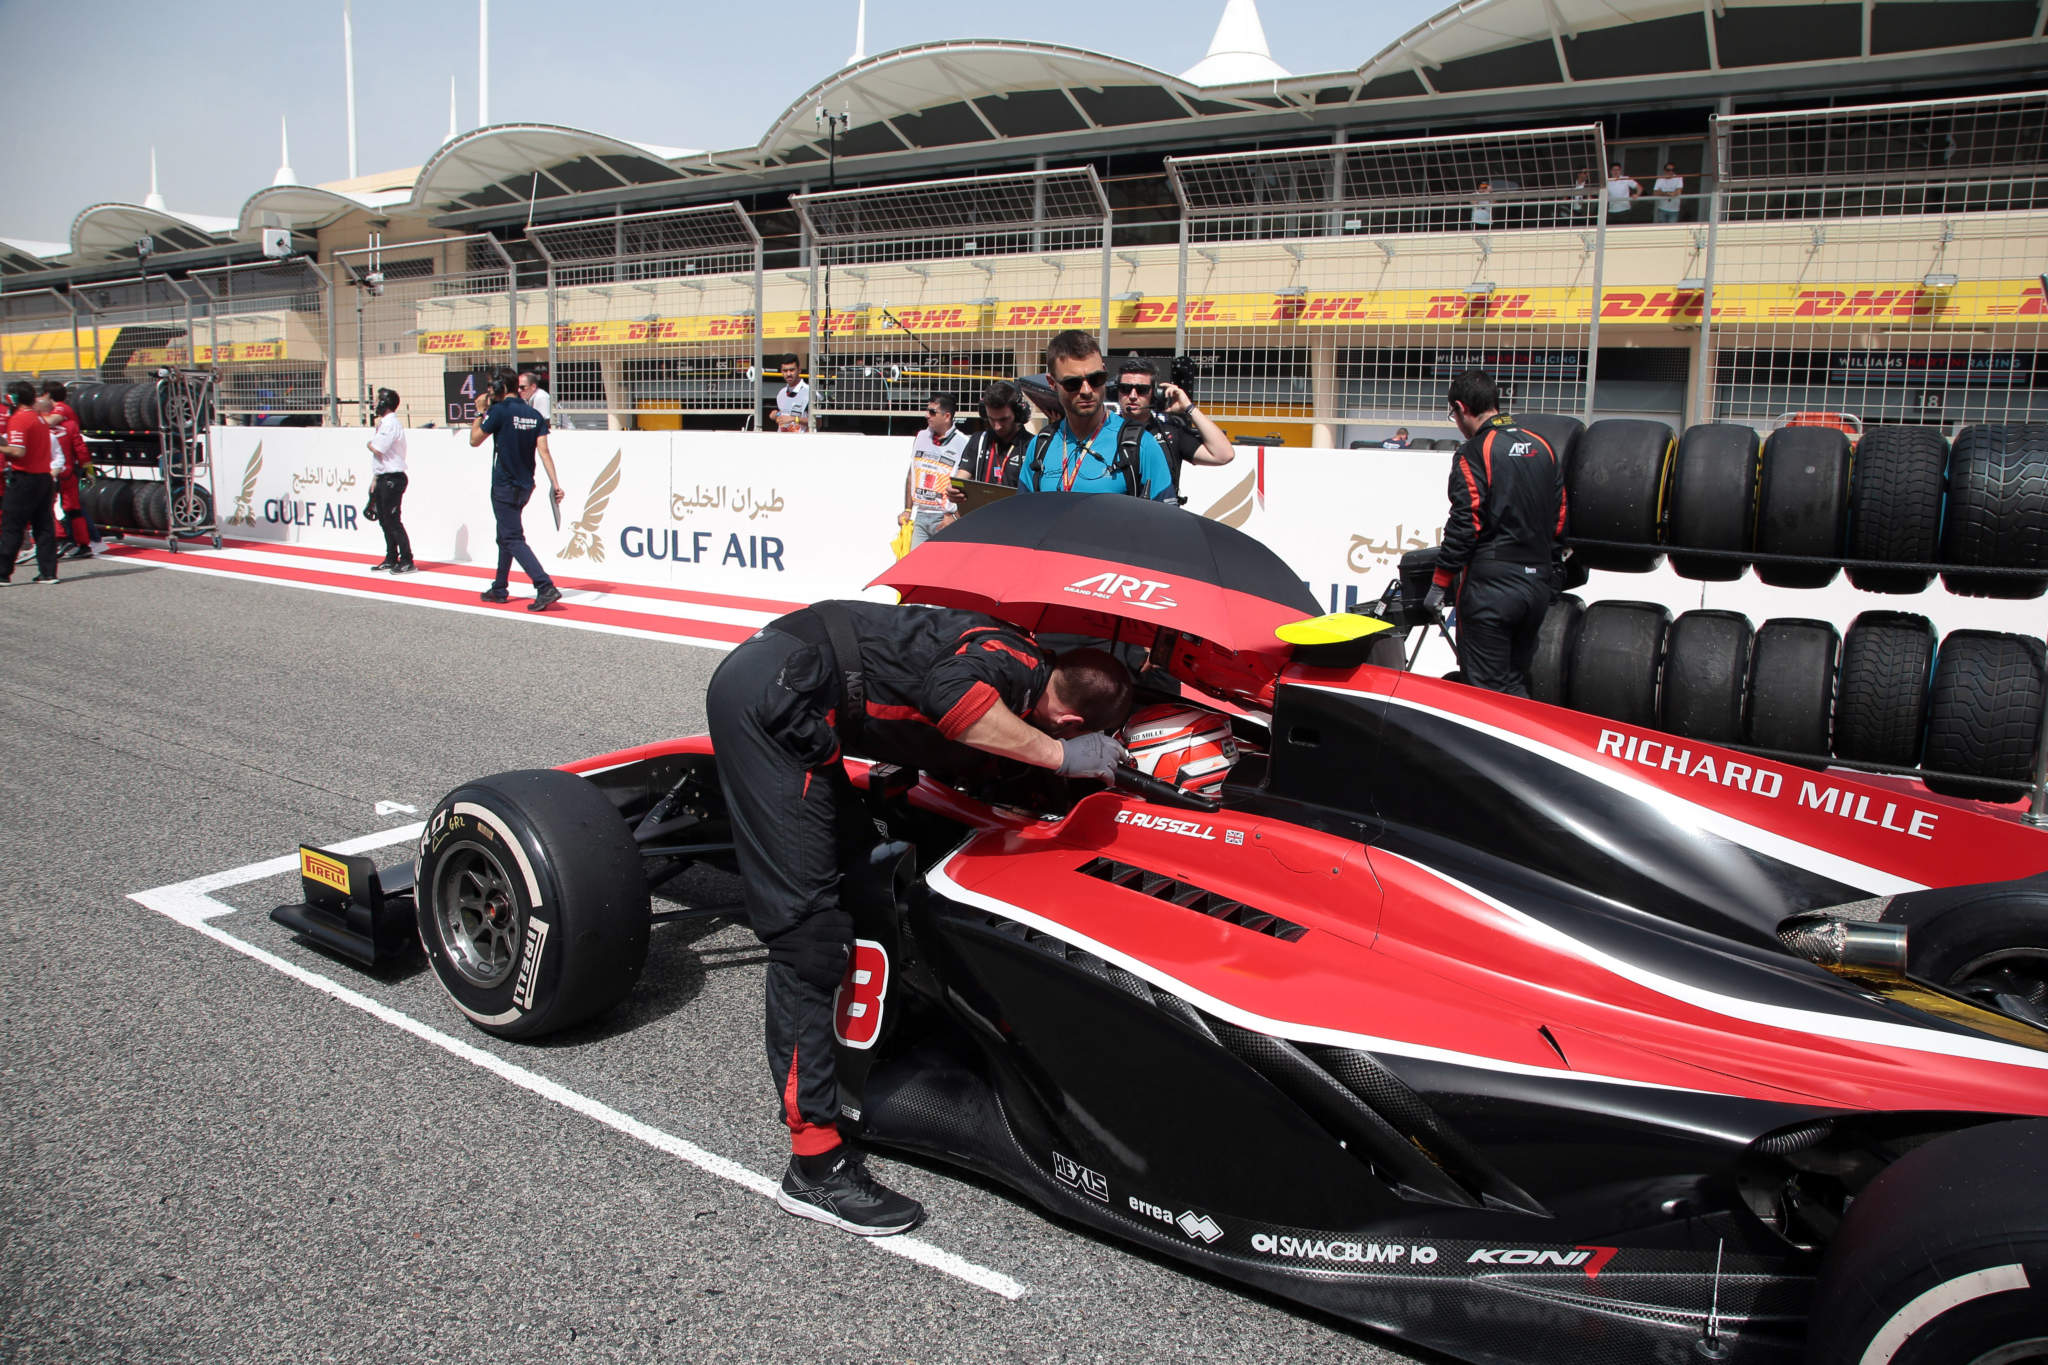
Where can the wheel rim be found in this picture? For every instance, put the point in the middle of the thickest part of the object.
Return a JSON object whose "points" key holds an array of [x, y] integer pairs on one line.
{"points": [[2020, 972], [477, 916], [2015, 1353]]}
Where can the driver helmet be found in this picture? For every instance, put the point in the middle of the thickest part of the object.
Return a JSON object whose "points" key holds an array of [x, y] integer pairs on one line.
{"points": [[1189, 746]]}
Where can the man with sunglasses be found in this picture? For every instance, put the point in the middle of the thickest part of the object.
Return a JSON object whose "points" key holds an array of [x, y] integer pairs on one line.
{"points": [[934, 458], [1091, 449], [1166, 410]]}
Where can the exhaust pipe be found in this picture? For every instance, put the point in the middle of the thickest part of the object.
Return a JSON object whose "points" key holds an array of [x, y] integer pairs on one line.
{"points": [[1846, 945]]}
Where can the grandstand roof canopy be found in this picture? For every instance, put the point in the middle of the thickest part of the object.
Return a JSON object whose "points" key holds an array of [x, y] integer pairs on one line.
{"points": [[306, 208], [514, 162], [108, 230]]}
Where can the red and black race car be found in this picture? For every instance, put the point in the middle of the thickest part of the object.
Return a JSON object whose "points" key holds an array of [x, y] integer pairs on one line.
{"points": [[1507, 1030]]}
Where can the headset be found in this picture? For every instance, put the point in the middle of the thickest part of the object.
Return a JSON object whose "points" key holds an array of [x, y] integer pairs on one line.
{"points": [[387, 401]]}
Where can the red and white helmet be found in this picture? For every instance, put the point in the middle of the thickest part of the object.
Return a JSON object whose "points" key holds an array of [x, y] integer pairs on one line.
{"points": [[1188, 746]]}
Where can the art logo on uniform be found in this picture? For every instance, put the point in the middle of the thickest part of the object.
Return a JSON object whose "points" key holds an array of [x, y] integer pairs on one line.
{"points": [[245, 505], [586, 541]]}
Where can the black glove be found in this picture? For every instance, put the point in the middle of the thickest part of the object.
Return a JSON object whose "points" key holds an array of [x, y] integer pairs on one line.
{"points": [[1433, 600], [1091, 755]]}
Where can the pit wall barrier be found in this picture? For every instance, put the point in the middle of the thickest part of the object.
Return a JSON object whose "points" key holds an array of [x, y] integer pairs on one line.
{"points": [[780, 518]]}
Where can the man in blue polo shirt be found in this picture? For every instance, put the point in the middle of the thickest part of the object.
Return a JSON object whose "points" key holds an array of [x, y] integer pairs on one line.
{"points": [[1087, 450], [519, 434]]}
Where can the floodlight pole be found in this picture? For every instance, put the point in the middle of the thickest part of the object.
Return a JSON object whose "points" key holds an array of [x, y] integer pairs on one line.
{"points": [[821, 362]]}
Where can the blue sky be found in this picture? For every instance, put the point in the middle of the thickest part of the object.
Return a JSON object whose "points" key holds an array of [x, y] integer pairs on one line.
{"points": [[206, 80]]}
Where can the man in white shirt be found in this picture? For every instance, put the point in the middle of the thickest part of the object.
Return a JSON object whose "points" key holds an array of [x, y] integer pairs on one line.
{"points": [[534, 396], [793, 400], [934, 457], [387, 488], [1621, 192], [1669, 187]]}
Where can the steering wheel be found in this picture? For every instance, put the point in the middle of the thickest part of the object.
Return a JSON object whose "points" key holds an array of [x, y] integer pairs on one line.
{"points": [[1164, 793]]}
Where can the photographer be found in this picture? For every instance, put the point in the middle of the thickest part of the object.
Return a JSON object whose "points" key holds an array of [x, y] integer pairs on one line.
{"points": [[1185, 431], [519, 435], [387, 488]]}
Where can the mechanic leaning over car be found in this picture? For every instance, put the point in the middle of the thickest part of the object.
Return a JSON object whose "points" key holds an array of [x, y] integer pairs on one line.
{"points": [[1504, 536], [910, 685]]}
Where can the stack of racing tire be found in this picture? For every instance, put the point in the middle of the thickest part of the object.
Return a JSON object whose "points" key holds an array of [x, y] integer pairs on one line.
{"points": [[119, 411], [148, 505], [1966, 710]]}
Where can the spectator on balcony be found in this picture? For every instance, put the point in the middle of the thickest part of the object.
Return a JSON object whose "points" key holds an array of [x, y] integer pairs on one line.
{"points": [[996, 451], [1091, 449], [1669, 188], [1580, 206], [1169, 413], [1622, 192], [1398, 441], [1482, 207], [793, 399], [935, 455]]}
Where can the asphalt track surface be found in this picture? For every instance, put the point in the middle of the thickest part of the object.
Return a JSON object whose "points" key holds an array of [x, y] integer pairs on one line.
{"points": [[223, 1145]]}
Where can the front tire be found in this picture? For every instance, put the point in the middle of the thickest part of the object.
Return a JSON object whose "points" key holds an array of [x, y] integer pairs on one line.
{"points": [[533, 909], [1943, 1259]]}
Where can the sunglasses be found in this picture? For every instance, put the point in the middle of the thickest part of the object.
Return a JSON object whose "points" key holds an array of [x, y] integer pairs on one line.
{"points": [[933, 412], [1094, 379], [1139, 389]]}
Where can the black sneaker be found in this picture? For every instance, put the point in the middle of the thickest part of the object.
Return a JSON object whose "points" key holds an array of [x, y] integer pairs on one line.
{"points": [[80, 552], [44, 578], [385, 567], [848, 1197], [494, 595], [545, 598], [406, 566]]}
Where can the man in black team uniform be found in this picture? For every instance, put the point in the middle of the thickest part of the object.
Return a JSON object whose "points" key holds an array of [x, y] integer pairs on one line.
{"points": [[1503, 534], [995, 452], [922, 687]]}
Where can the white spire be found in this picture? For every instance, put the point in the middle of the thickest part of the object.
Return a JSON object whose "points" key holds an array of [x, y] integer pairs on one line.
{"points": [[154, 200], [453, 127], [860, 35], [285, 174], [348, 71], [483, 63], [1238, 52]]}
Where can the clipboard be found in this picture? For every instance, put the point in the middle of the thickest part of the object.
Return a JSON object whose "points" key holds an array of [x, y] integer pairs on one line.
{"points": [[971, 495]]}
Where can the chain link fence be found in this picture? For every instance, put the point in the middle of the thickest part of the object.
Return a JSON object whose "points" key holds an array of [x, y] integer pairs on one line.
{"points": [[947, 286], [1333, 291], [653, 314], [264, 333], [427, 319], [1880, 265]]}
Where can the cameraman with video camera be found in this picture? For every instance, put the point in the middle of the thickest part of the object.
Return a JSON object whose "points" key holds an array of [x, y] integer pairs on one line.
{"points": [[520, 434], [1184, 431]]}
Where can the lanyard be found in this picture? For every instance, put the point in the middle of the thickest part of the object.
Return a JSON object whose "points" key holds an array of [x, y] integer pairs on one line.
{"points": [[1067, 473]]}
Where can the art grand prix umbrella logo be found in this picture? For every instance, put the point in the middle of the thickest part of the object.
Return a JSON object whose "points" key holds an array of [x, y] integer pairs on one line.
{"points": [[586, 540], [245, 512]]}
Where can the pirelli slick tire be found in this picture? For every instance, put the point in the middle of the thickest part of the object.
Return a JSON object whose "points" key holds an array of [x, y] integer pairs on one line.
{"points": [[1560, 433], [533, 908], [153, 506], [1615, 491], [1881, 705], [1943, 1258], [1792, 668], [1713, 499], [1802, 504], [1984, 714], [93, 405], [1998, 511], [1550, 669], [1706, 675], [1895, 502], [138, 408], [1617, 660]]}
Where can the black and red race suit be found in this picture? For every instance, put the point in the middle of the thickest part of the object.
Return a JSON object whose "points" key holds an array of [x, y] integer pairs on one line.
{"points": [[780, 720], [1503, 539]]}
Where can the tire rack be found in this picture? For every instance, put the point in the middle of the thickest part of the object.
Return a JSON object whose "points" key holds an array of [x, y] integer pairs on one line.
{"points": [[184, 407]]}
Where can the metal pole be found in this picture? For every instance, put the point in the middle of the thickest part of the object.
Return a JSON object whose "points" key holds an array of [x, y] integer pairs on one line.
{"points": [[553, 383], [511, 307], [1102, 332], [362, 367], [333, 356], [1180, 293], [77, 361], [1703, 394], [760, 326], [1599, 279], [2037, 809]]}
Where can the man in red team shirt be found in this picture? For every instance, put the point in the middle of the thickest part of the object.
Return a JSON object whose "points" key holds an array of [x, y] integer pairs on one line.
{"points": [[65, 431], [30, 489]]}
